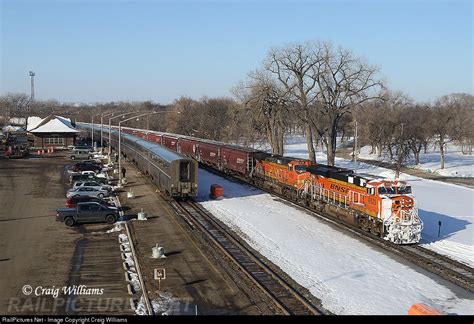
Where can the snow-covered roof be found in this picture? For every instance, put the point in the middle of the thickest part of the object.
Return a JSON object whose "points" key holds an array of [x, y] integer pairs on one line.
{"points": [[33, 122], [54, 124], [66, 121]]}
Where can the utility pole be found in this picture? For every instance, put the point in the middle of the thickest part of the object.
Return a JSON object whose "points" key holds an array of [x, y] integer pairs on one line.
{"points": [[355, 142], [92, 131], [32, 76]]}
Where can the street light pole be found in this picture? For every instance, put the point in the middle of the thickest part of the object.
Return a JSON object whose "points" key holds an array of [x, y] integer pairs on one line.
{"points": [[355, 142], [102, 128], [120, 138], [110, 129], [32, 76], [92, 132]]}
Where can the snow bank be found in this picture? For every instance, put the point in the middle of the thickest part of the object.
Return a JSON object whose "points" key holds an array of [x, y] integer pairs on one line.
{"points": [[457, 164]]}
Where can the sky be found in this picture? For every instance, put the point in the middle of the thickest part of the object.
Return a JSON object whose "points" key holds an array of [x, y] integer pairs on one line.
{"points": [[105, 50]]}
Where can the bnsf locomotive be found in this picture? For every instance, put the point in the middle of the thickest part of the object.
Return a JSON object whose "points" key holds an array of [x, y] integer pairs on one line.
{"points": [[383, 207]]}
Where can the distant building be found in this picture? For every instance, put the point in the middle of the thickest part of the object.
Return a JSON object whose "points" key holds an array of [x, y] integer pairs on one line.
{"points": [[14, 124], [17, 121], [52, 131]]}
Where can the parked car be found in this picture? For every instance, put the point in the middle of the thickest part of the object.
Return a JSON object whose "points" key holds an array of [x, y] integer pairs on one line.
{"points": [[91, 161], [83, 177], [87, 212], [73, 201], [80, 154], [95, 174], [87, 191], [82, 147], [92, 184], [79, 167]]}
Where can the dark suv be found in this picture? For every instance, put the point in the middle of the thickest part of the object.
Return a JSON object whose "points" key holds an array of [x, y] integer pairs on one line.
{"points": [[86, 166]]}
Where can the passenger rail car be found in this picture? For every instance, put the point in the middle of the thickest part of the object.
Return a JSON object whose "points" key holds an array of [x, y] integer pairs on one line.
{"points": [[171, 172]]}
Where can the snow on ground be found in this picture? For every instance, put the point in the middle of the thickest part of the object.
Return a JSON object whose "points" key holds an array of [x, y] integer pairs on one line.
{"points": [[349, 276], [457, 164], [437, 201]]}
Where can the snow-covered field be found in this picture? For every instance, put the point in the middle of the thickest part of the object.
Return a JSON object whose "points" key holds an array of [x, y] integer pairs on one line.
{"points": [[457, 164], [437, 201], [349, 276]]}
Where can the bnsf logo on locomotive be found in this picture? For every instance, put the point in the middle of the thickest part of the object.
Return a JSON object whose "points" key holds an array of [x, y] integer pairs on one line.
{"points": [[338, 188]]}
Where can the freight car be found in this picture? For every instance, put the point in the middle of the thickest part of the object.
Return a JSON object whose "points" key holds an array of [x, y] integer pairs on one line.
{"points": [[385, 208]]}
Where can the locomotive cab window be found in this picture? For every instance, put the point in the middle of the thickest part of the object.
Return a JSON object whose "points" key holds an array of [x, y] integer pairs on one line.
{"points": [[387, 191], [300, 168], [404, 190], [184, 171]]}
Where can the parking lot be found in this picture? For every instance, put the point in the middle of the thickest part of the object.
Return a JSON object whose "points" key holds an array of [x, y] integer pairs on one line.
{"points": [[39, 256]]}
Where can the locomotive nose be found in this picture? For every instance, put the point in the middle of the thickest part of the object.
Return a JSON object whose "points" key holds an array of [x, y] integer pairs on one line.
{"points": [[402, 202]]}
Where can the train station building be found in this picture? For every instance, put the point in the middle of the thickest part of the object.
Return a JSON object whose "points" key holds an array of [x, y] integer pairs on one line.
{"points": [[52, 131]]}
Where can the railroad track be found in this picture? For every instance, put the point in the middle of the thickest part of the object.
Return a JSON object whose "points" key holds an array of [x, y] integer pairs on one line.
{"points": [[451, 270], [284, 296], [457, 272]]}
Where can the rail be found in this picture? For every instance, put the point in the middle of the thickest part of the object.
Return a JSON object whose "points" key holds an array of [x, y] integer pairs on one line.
{"points": [[283, 295]]}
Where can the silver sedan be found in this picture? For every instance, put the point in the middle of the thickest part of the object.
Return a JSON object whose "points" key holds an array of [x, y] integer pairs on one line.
{"points": [[92, 184], [87, 191]]}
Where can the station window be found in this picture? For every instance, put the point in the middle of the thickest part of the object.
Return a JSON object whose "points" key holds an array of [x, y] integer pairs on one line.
{"points": [[54, 140]]}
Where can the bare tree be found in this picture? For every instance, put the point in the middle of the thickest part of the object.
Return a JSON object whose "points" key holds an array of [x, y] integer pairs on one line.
{"points": [[15, 104], [374, 125], [446, 112], [294, 66], [344, 82], [418, 130], [266, 106], [464, 122]]}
